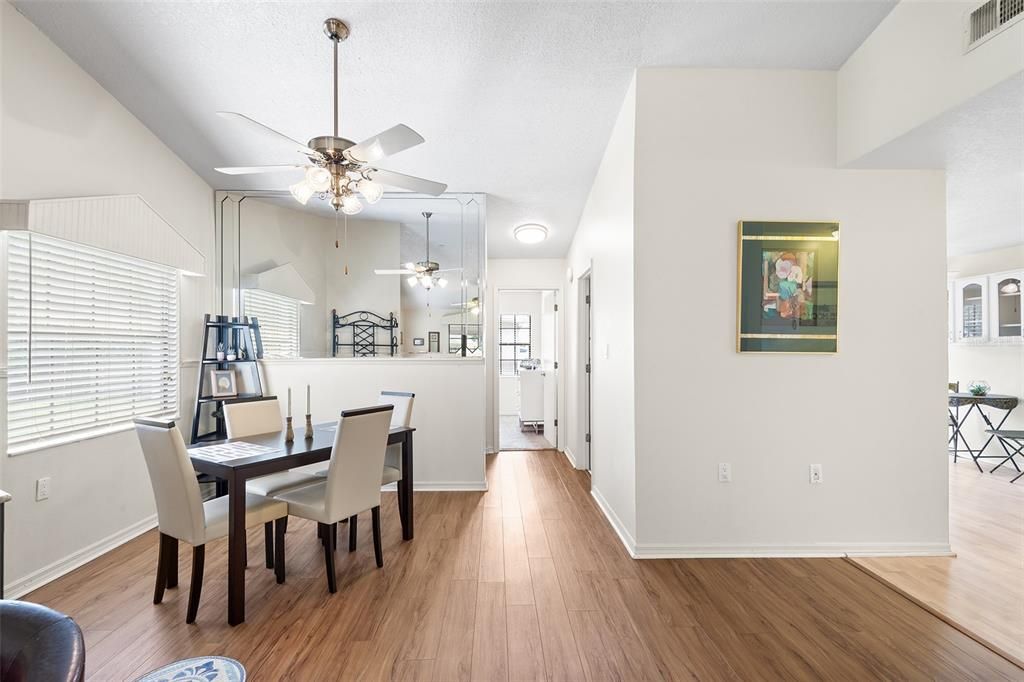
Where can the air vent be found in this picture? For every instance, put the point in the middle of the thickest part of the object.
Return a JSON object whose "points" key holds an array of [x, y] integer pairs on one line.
{"points": [[991, 19]]}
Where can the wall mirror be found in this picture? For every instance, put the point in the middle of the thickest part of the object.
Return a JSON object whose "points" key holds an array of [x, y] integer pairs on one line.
{"points": [[308, 274]]}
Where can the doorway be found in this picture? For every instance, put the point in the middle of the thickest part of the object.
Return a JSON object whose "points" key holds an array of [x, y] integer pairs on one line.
{"points": [[527, 369]]}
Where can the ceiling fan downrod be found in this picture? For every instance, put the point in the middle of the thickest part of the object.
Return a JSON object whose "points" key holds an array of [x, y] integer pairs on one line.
{"points": [[336, 30]]}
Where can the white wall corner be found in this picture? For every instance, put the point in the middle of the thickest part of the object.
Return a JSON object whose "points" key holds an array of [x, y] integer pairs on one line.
{"points": [[571, 457]]}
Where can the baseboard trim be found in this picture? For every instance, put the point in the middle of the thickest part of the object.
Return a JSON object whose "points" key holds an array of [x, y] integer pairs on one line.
{"points": [[46, 574], [443, 486], [616, 523], [819, 550], [571, 457]]}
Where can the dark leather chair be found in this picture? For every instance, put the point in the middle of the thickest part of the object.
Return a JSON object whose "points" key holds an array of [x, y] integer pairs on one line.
{"points": [[38, 644]]}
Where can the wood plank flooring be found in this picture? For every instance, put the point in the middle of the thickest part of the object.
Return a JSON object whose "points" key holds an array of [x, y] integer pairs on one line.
{"points": [[524, 582], [982, 589]]}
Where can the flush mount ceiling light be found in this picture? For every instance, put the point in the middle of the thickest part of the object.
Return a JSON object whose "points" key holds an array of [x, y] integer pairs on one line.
{"points": [[531, 233], [337, 168]]}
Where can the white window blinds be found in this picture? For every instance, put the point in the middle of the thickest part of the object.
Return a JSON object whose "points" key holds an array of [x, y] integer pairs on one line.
{"points": [[279, 321], [92, 341]]}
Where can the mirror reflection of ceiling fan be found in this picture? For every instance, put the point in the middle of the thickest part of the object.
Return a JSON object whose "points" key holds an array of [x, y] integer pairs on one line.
{"points": [[426, 273], [472, 306], [338, 168]]}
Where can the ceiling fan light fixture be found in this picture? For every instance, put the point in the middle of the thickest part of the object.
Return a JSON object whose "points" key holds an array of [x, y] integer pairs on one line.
{"points": [[530, 233], [370, 190], [442, 282], [428, 283], [302, 191], [350, 204], [318, 178], [412, 280]]}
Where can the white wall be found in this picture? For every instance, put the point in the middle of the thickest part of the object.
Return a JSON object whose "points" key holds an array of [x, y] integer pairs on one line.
{"points": [[717, 146], [448, 413], [52, 110], [912, 68], [518, 273], [1002, 366], [603, 244]]}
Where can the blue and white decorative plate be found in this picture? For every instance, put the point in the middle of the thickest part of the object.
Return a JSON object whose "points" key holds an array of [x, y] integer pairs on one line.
{"points": [[202, 669]]}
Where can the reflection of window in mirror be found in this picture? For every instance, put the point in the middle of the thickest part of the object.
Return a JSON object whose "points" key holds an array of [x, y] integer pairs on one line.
{"points": [[278, 317], [464, 340]]}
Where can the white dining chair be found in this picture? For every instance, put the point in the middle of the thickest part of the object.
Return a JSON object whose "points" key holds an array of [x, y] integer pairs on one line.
{"points": [[400, 416], [182, 514], [352, 485], [252, 417]]}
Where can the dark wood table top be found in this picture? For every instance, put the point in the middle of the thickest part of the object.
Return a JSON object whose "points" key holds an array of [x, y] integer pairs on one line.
{"points": [[284, 455]]}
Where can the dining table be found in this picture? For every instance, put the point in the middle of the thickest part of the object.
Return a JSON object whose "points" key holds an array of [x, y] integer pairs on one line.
{"points": [[275, 454]]}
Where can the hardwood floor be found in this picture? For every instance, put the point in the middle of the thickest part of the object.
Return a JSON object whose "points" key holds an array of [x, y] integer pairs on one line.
{"points": [[511, 437], [524, 582], [982, 589]]}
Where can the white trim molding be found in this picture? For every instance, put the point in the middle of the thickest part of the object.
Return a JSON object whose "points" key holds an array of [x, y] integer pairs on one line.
{"points": [[817, 550], [49, 573], [625, 537], [571, 457]]}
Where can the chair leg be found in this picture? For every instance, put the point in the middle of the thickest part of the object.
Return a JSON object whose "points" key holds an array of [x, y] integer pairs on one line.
{"points": [[280, 527], [334, 536], [161, 569], [378, 551], [268, 542], [196, 587], [332, 581], [352, 531], [172, 562], [401, 506]]}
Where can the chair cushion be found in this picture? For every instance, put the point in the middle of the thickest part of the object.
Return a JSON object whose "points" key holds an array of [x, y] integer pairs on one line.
{"points": [[271, 485], [391, 474], [39, 644], [258, 510], [308, 503]]}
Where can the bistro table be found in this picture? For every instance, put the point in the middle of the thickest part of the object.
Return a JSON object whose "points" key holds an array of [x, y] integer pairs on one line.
{"points": [[284, 456], [976, 402]]}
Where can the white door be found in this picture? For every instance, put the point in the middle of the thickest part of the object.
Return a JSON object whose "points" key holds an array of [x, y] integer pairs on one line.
{"points": [[548, 358]]}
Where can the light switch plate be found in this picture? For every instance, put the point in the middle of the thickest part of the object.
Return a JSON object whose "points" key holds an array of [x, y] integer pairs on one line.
{"points": [[43, 489]]}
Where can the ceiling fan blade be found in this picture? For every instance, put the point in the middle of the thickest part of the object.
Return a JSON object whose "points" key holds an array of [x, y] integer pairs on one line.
{"points": [[269, 133], [393, 272], [250, 170], [449, 270], [391, 141], [409, 182]]}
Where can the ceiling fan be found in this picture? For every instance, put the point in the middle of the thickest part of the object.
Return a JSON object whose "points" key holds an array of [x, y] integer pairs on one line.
{"points": [[426, 273], [472, 305], [338, 168]]}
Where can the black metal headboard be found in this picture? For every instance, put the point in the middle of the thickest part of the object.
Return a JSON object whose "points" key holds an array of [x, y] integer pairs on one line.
{"points": [[365, 326]]}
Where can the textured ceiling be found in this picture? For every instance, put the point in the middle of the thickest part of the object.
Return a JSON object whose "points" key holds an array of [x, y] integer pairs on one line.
{"points": [[514, 99], [981, 146]]}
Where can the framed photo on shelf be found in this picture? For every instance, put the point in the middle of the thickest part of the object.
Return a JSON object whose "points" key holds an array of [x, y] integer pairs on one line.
{"points": [[417, 341], [223, 383], [788, 287]]}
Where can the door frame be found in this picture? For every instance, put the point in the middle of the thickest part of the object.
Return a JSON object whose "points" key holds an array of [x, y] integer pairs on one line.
{"points": [[585, 355], [493, 348]]}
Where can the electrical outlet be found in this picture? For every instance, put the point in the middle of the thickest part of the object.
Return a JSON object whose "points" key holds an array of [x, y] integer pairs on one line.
{"points": [[43, 489], [815, 473], [724, 472]]}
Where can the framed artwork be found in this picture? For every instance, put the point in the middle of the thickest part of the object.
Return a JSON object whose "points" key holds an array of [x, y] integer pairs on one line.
{"points": [[788, 287], [434, 342], [223, 383], [417, 341]]}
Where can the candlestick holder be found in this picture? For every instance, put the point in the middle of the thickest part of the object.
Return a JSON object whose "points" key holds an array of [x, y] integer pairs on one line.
{"points": [[309, 427], [289, 433]]}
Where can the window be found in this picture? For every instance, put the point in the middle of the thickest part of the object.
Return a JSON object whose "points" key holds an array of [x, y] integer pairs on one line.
{"points": [[279, 321], [472, 332], [92, 341], [514, 342]]}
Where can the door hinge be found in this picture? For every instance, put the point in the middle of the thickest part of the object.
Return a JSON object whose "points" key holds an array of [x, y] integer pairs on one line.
{"points": [[588, 438], [556, 307], [556, 365], [588, 368], [556, 422], [588, 299]]}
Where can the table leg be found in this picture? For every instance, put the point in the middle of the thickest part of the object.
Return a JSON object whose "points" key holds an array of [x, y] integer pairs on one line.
{"points": [[236, 550], [405, 487], [959, 436]]}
